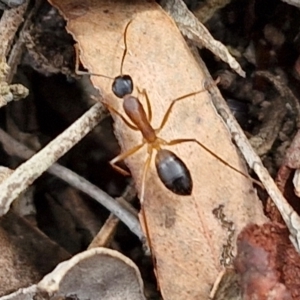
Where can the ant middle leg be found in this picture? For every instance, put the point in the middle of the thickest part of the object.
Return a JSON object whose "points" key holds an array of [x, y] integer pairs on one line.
{"points": [[112, 109]]}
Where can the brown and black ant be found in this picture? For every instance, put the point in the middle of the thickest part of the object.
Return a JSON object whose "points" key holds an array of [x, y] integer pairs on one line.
{"points": [[171, 170]]}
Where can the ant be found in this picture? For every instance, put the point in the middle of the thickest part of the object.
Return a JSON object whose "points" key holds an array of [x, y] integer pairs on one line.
{"points": [[171, 170]]}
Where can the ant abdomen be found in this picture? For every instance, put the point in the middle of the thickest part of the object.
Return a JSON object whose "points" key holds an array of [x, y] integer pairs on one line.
{"points": [[173, 173], [122, 86]]}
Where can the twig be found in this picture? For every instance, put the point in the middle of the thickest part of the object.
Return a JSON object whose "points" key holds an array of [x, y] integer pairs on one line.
{"points": [[194, 30], [129, 219], [9, 24], [289, 216], [25, 174], [209, 8], [106, 232], [108, 202], [272, 124], [18, 48]]}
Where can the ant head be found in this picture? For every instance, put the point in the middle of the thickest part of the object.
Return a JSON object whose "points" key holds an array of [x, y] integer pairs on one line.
{"points": [[122, 86]]}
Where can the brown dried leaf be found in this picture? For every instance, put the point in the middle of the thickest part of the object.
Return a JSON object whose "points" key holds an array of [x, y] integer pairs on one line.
{"points": [[26, 254], [94, 274], [98, 273], [186, 237]]}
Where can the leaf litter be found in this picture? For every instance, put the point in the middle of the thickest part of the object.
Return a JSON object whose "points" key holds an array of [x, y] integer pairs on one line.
{"points": [[174, 231]]}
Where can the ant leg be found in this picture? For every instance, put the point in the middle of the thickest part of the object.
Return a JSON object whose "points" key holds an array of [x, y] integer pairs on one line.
{"points": [[149, 110], [123, 156], [143, 212], [147, 243], [179, 141], [145, 171], [111, 109], [167, 114]]}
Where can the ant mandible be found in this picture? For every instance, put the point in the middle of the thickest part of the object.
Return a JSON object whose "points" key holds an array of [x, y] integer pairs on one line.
{"points": [[171, 170]]}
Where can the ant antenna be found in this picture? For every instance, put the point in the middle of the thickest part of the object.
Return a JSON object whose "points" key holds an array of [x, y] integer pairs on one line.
{"points": [[126, 48], [77, 64], [122, 85]]}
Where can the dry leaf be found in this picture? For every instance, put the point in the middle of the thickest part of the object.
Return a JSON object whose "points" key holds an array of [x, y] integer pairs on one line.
{"points": [[94, 274], [26, 254], [187, 239]]}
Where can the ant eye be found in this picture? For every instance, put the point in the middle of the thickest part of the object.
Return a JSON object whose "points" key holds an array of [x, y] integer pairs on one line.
{"points": [[122, 86]]}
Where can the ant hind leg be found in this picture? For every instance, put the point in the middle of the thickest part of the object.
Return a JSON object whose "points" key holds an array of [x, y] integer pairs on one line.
{"points": [[111, 109], [123, 156], [179, 141]]}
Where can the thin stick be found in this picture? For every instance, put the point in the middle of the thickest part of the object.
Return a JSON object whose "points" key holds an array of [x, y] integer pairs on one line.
{"points": [[290, 217], [129, 219], [106, 233], [108, 202], [26, 173], [9, 25]]}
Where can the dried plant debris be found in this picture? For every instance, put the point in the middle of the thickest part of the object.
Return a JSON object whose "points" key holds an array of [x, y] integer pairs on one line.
{"points": [[192, 238], [10, 92], [5, 4], [287, 179], [49, 47], [227, 286], [194, 30], [22, 294]]}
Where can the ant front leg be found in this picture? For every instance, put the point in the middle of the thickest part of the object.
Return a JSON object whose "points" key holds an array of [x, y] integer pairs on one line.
{"points": [[149, 110], [111, 109], [168, 112]]}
